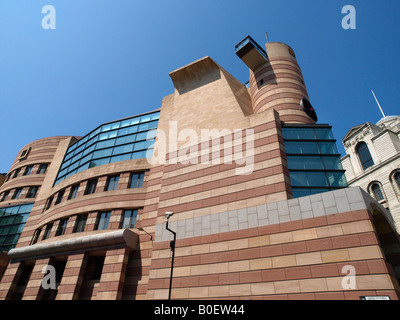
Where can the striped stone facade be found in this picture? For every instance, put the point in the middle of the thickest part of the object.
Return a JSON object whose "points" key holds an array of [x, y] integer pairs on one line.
{"points": [[220, 166]]}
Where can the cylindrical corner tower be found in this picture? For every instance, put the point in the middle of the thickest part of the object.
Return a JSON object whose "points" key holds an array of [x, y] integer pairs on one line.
{"points": [[276, 81]]}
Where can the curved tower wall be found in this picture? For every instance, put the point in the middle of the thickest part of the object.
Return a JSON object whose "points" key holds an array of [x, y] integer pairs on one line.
{"points": [[279, 84]]}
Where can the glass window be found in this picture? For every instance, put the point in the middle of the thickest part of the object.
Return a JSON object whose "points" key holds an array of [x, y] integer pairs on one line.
{"points": [[305, 162], [42, 168], [332, 163], [60, 195], [16, 173], [364, 155], [377, 191], [48, 203], [324, 133], [121, 158], [32, 192], [28, 170], [103, 219], [47, 231], [17, 193], [91, 186], [95, 163], [112, 183], [4, 195], [35, 237], [62, 226], [102, 153], [136, 180], [397, 178], [129, 219], [105, 144], [305, 179], [336, 179], [328, 147], [122, 149], [126, 139], [73, 192], [80, 223]]}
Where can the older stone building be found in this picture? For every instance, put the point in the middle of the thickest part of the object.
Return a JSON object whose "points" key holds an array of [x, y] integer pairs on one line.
{"points": [[238, 194], [372, 161]]}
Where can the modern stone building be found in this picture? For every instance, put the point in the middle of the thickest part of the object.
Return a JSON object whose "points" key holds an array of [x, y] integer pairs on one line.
{"points": [[244, 178], [372, 161]]}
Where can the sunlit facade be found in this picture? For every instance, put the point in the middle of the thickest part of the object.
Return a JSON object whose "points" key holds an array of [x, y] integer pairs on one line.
{"points": [[251, 185]]}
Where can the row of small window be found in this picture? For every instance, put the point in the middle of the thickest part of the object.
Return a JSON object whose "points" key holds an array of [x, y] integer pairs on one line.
{"points": [[136, 181], [103, 218], [16, 193], [27, 170]]}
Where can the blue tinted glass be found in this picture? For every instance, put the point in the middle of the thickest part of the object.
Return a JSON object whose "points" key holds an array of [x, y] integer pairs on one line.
{"points": [[305, 162], [126, 139], [324, 133], [306, 179], [140, 146], [123, 149], [95, 163], [99, 143], [139, 155], [141, 136], [122, 157], [337, 179], [127, 130], [125, 123], [328, 147], [102, 153], [105, 144], [332, 163], [145, 118]]}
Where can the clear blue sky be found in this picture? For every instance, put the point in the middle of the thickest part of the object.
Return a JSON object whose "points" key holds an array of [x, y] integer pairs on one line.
{"points": [[110, 59]]}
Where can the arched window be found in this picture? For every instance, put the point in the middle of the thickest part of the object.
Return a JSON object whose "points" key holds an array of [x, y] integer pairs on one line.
{"points": [[397, 178], [364, 155], [377, 192]]}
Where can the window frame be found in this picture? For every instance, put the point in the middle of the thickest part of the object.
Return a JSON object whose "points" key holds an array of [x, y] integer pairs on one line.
{"points": [[91, 186], [139, 180], [73, 192], [134, 216], [80, 223], [365, 157], [112, 183], [103, 220]]}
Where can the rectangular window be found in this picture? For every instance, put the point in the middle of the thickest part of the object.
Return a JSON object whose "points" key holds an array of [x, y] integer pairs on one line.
{"points": [[32, 192], [80, 223], [136, 180], [42, 168], [28, 170], [73, 192], [103, 219], [129, 219], [60, 195], [112, 183], [62, 226], [47, 231], [91, 186], [17, 193], [36, 235], [16, 173], [4, 195], [48, 203]]}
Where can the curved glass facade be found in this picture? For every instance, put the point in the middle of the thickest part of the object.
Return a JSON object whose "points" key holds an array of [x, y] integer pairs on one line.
{"points": [[111, 142], [12, 221]]}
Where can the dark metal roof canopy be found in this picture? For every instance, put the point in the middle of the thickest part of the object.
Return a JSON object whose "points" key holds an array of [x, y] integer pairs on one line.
{"points": [[251, 53]]}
